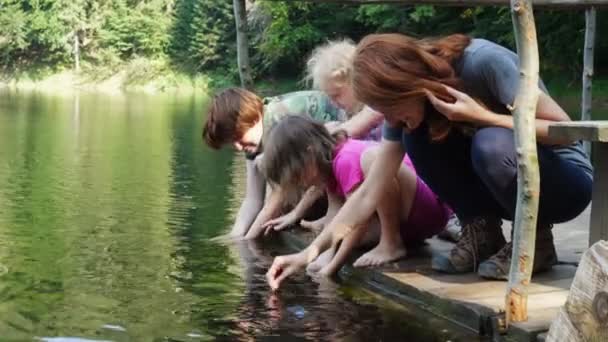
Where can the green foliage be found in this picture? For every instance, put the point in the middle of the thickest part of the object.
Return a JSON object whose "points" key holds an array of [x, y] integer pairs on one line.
{"points": [[295, 28], [136, 31], [203, 34], [32, 31], [198, 36], [382, 17]]}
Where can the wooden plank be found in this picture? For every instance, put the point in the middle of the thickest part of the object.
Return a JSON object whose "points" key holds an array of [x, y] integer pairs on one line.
{"points": [[580, 130], [538, 301], [483, 290], [465, 298], [470, 285], [599, 204], [468, 3]]}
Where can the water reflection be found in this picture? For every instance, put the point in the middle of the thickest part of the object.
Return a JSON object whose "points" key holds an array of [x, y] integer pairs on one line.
{"points": [[107, 207]]}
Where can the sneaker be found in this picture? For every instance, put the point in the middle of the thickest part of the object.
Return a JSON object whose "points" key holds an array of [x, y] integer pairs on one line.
{"points": [[452, 230], [498, 266], [480, 238]]}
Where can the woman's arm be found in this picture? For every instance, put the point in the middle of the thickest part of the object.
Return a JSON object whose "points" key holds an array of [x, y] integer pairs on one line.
{"points": [[547, 112], [466, 109]]}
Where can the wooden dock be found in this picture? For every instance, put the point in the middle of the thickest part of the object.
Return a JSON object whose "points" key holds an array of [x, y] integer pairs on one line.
{"points": [[469, 300]]}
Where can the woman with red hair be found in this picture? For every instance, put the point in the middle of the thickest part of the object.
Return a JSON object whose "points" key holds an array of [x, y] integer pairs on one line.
{"points": [[447, 102]]}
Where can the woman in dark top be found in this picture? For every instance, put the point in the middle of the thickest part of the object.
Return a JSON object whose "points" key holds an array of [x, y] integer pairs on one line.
{"points": [[446, 102]]}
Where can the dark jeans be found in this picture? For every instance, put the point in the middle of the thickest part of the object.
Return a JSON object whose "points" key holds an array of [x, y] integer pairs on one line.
{"points": [[477, 175]]}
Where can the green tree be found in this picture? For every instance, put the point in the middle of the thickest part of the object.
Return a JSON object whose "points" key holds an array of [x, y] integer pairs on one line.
{"points": [[136, 29], [203, 34]]}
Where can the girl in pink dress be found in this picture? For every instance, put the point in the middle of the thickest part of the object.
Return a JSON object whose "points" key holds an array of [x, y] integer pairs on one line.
{"points": [[301, 154]]}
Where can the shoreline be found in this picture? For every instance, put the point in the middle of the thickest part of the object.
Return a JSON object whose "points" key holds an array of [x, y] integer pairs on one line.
{"points": [[69, 82]]}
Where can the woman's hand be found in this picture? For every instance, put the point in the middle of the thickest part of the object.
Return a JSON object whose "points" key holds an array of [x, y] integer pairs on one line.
{"points": [[465, 109], [282, 222], [283, 267]]}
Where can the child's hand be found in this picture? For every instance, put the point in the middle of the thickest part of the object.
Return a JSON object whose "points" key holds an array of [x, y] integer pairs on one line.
{"points": [[283, 267], [281, 223]]}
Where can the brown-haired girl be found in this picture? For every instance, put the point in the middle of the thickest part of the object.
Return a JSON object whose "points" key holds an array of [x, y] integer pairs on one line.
{"points": [[301, 153]]}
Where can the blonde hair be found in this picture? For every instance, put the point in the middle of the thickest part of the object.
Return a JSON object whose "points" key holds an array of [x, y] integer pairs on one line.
{"points": [[331, 62]]}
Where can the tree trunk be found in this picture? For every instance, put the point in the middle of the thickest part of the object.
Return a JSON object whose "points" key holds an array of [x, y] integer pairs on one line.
{"points": [[242, 43], [528, 179], [584, 317], [588, 67], [76, 53]]}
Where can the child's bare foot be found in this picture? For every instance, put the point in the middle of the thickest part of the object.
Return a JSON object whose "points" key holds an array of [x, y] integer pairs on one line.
{"points": [[321, 261], [315, 226], [381, 254]]}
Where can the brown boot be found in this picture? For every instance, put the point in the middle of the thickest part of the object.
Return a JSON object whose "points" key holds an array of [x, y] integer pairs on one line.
{"points": [[481, 237], [498, 266]]}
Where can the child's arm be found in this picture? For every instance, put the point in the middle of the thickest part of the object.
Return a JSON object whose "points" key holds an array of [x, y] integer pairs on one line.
{"points": [[362, 123], [308, 200], [333, 206], [253, 202]]}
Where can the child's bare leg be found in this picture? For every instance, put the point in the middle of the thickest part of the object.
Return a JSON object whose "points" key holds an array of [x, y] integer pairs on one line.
{"points": [[393, 209]]}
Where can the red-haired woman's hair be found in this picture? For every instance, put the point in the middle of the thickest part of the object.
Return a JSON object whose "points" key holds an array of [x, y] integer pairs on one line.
{"points": [[390, 69], [231, 113]]}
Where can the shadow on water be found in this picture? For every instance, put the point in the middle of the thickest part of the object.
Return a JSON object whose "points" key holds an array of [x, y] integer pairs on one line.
{"points": [[107, 207]]}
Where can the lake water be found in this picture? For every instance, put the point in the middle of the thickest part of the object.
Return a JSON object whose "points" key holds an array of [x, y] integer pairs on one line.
{"points": [[107, 208]]}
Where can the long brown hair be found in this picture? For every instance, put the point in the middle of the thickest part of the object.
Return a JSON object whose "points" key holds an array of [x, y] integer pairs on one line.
{"points": [[390, 69], [295, 143]]}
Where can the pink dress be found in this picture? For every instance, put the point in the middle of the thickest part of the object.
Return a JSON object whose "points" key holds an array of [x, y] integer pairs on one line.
{"points": [[428, 215]]}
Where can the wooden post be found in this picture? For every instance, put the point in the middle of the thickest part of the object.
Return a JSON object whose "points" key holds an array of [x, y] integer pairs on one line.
{"points": [[242, 43], [588, 67], [599, 203], [528, 178]]}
